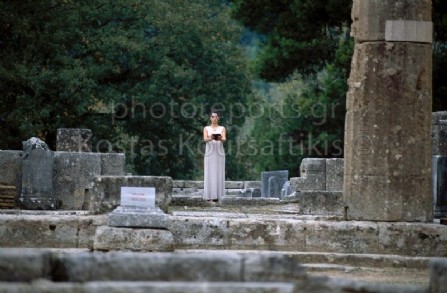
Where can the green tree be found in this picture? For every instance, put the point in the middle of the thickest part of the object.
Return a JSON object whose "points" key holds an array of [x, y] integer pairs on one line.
{"points": [[307, 53], [302, 35], [140, 74], [305, 118]]}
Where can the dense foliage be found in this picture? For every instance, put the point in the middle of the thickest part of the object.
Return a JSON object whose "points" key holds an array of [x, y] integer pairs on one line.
{"points": [[141, 74]]}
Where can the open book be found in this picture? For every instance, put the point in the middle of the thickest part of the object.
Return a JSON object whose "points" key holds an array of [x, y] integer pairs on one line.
{"points": [[216, 136]]}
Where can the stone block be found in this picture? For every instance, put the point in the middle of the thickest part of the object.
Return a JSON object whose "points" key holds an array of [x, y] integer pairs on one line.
{"points": [[409, 31], [73, 178], [342, 237], [44, 286], [113, 238], [11, 162], [49, 229], [320, 202], [437, 116], [252, 184], [261, 234], [249, 201], [439, 177], [193, 184], [234, 184], [312, 175], [272, 183], [156, 266], [73, 140], [312, 166], [234, 192], [334, 174], [124, 216], [37, 180], [439, 133], [112, 164], [33, 264], [106, 191], [178, 183], [195, 201], [438, 276], [369, 16], [199, 233], [381, 198], [413, 239]]}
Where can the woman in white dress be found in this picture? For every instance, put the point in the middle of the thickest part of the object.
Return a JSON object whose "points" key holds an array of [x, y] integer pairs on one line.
{"points": [[214, 175]]}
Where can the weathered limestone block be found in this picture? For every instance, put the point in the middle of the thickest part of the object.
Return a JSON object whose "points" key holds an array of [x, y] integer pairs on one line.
{"points": [[73, 178], [74, 174], [49, 230], [234, 184], [193, 184], [252, 184], [438, 276], [113, 238], [138, 217], [334, 174], [106, 191], [343, 237], [178, 183], [194, 233], [250, 201], [312, 175], [320, 202], [409, 31], [415, 239], [266, 235], [37, 180], [112, 164], [73, 140], [370, 16], [387, 126], [439, 133], [11, 162], [439, 171]]}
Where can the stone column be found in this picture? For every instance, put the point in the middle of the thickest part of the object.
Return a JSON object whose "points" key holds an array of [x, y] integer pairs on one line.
{"points": [[387, 174]]}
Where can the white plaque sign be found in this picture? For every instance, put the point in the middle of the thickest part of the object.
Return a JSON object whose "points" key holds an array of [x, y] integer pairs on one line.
{"points": [[143, 197]]}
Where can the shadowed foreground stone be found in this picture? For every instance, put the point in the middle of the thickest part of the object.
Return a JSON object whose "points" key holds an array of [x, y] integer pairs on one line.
{"points": [[113, 238], [438, 276], [168, 272]]}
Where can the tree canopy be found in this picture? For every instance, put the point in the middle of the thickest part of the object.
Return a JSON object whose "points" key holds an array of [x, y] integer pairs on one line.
{"points": [[302, 34], [141, 74]]}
